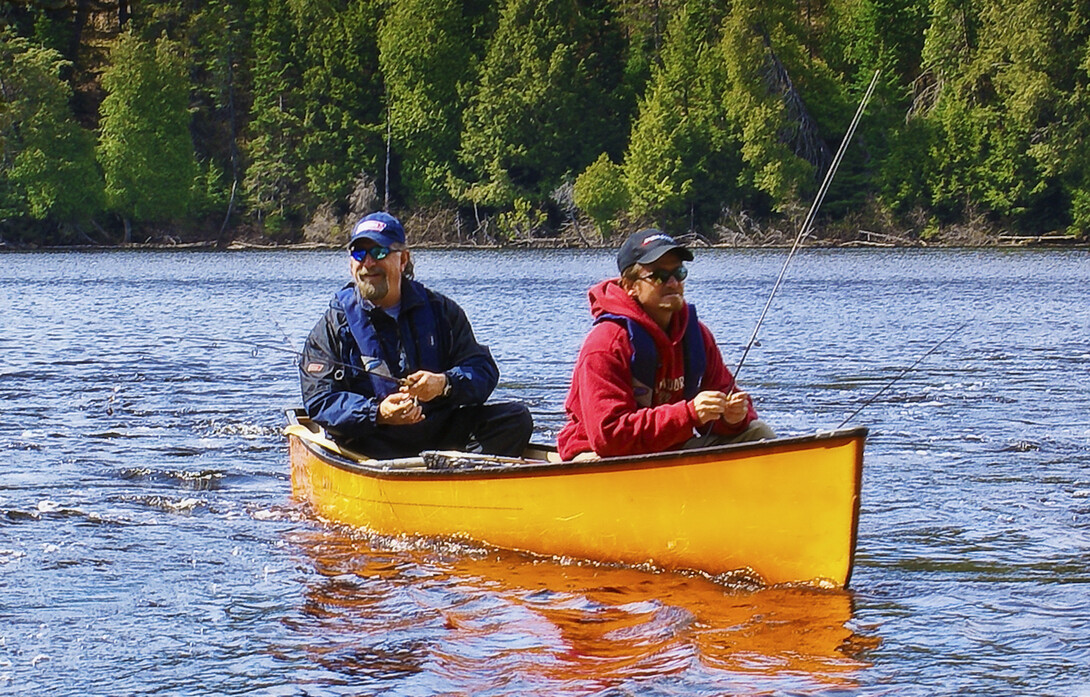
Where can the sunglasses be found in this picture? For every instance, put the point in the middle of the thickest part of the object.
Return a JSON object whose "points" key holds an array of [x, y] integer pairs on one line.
{"points": [[377, 253], [660, 276]]}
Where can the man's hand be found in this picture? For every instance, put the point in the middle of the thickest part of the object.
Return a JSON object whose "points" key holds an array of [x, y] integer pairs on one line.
{"points": [[399, 409], [737, 408], [712, 404], [424, 386]]}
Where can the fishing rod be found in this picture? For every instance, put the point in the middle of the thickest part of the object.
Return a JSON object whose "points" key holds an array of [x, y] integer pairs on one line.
{"points": [[809, 220], [400, 382], [904, 372], [299, 355]]}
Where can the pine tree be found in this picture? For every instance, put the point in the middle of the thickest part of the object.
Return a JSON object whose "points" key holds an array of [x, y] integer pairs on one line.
{"points": [[1006, 122], [274, 181], [49, 171], [342, 128], [525, 126], [681, 163], [426, 62], [145, 147], [781, 98], [601, 192]]}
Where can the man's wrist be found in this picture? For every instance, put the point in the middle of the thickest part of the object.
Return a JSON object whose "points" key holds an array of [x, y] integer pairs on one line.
{"points": [[448, 387]]}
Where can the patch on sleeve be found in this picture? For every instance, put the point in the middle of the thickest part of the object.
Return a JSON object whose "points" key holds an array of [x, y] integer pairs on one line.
{"points": [[315, 367]]}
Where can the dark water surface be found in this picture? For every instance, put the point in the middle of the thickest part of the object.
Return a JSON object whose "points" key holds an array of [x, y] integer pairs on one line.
{"points": [[149, 544]]}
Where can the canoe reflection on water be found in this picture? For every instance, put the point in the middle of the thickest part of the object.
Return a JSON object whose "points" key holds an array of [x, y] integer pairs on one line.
{"points": [[451, 617]]}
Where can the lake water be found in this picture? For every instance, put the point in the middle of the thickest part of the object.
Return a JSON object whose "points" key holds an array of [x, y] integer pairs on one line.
{"points": [[149, 543]]}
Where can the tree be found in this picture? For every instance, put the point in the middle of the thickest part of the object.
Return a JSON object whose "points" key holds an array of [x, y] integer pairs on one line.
{"points": [[343, 118], [426, 62], [275, 176], [857, 38], [216, 35], [145, 148], [783, 100], [681, 163], [1007, 113], [526, 124], [49, 171], [601, 193]]}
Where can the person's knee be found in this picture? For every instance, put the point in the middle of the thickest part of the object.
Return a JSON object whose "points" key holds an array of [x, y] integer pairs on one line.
{"points": [[757, 430], [499, 411], [509, 422], [522, 421]]}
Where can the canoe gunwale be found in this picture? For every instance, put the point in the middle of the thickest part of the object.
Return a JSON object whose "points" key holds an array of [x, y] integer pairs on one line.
{"points": [[533, 468]]}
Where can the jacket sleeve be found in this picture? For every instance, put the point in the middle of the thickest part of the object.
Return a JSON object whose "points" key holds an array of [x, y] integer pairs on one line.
{"points": [[615, 424], [326, 391], [473, 373], [718, 377]]}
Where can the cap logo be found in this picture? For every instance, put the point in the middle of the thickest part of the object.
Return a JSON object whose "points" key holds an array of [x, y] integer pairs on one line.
{"points": [[374, 225], [654, 238]]}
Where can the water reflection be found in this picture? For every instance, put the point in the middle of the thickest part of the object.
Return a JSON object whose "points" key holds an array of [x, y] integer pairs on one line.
{"points": [[387, 610]]}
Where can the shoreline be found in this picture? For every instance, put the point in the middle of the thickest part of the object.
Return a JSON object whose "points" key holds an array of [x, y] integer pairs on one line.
{"points": [[1004, 242]]}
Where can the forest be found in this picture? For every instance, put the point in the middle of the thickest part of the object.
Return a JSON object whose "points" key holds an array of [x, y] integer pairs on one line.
{"points": [[541, 122]]}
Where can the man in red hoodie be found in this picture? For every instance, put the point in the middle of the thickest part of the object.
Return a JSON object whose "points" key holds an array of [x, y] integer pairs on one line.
{"points": [[649, 377]]}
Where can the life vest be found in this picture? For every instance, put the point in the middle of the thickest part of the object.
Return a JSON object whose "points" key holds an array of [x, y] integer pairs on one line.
{"points": [[422, 351], [645, 356]]}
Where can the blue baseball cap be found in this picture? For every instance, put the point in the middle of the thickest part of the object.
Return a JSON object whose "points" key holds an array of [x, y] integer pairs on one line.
{"points": [[383, 228]]}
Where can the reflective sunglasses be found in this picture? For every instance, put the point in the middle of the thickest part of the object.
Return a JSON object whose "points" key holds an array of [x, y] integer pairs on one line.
{"points": [[377, 253], [660, 276]]}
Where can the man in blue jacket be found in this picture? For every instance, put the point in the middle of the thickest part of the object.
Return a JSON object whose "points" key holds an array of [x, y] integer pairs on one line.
{"points": [[393, 368]]}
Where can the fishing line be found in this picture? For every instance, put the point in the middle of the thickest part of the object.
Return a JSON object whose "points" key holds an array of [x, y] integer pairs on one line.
{"points": [[299, 355], [903, 373], [809, 220]]}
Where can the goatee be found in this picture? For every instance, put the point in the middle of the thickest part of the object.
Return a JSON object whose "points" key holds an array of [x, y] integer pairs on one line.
{"points": [[373, 290]]}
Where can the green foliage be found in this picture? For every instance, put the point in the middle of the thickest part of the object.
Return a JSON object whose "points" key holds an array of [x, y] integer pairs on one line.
{"points": [[145, 147], [521, 221], [426, 63], [1009, 114], [601, 193], [684, 157], [49, 170], [757, 109], [275, 182], [342, 112], [527, 124], [208, 193], [983, 107]]}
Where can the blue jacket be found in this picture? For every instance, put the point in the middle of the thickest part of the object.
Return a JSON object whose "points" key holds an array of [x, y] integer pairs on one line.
{"points": [[431, 333]]}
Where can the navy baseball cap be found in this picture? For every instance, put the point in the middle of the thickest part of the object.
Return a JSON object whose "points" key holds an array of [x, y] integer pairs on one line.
{"points": [[383, 228], [646, 246]]}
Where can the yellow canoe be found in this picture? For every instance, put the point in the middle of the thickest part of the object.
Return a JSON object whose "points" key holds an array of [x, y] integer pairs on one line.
{"points": [[786, 510]]}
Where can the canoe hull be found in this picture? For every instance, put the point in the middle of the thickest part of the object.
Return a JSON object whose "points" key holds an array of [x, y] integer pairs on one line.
{"points": [[785, 509]]}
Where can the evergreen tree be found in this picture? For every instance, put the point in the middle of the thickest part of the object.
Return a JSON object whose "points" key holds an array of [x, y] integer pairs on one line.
{"points": [[426, 61], [859, 37], [783, 100], [600, 192], [1007, 120], [526, 124], [275, 181], [49, 171], [343, 117], [145, 147], [681, 163], [215, 35], [759, 113]]}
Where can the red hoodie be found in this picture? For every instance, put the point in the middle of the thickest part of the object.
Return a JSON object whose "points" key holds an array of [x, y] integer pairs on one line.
{"points": [[603, 415]]}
